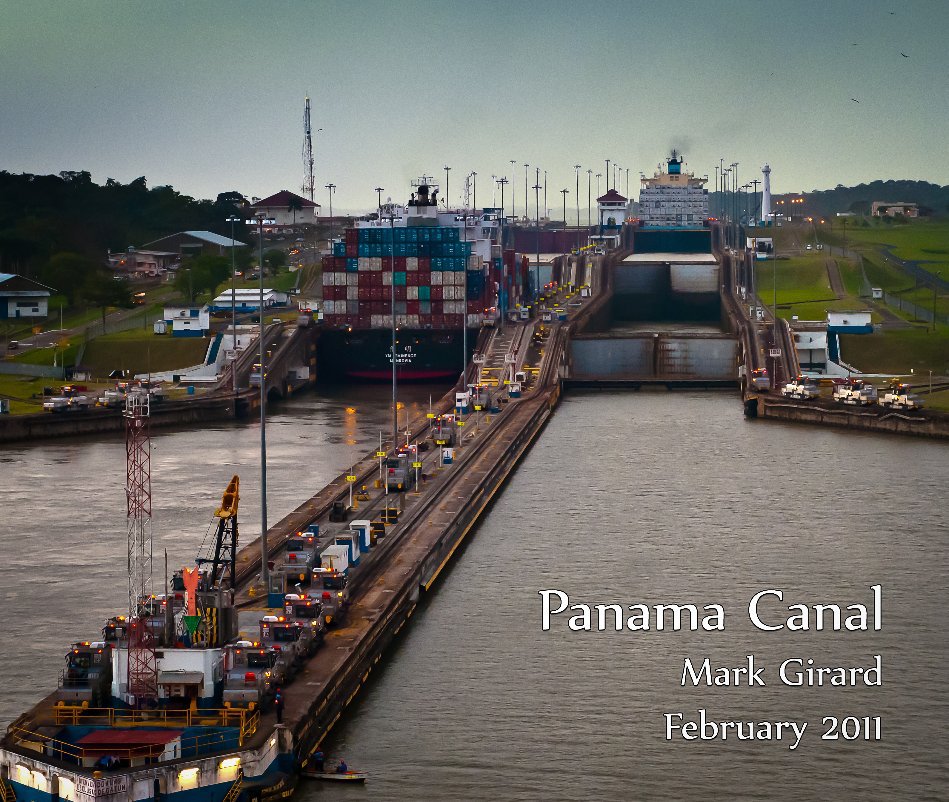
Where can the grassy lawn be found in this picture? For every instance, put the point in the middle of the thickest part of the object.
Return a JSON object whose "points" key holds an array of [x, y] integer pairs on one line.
{"points": [[817, 310], [898, 351], [44, 356], [926, 241], [26, 394], [141, 352], [800, 279]]}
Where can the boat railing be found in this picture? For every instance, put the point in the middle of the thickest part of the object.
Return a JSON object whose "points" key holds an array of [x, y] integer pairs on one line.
{"points": [[244, 721]]}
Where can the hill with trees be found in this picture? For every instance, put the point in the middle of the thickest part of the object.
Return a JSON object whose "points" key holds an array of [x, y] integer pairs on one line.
{"points": [[932, 199], [45, 215]]}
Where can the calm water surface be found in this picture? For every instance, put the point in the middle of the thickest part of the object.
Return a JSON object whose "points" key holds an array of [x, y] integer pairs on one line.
{"points": [[628, 498]]}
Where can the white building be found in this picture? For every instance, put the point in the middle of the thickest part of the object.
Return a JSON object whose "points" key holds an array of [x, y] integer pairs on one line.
{"points": [[612, 209], [188, 321], [247, 299], [673, 199], [22, 297], [286, 209]]}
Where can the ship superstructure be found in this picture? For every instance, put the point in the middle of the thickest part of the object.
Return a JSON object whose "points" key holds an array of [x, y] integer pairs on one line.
{"points": [[673, 198]]}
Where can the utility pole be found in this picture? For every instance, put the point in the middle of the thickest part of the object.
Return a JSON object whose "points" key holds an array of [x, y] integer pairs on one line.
{"points": [[379, 191]]}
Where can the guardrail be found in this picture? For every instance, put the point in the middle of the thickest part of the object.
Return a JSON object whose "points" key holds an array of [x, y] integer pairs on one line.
{"points": [[244, 721]]}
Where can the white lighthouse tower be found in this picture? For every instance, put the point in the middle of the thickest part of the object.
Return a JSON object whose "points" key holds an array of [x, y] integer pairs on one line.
{"points": [[766, 195]]}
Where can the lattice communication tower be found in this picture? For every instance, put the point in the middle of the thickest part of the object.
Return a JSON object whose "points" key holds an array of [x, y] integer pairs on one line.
{"points": [[142, 662], [308, 181]]}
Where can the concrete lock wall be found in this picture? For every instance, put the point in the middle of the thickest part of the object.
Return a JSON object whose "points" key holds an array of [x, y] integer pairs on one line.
{"points": [[694, 279], [654, 356]]}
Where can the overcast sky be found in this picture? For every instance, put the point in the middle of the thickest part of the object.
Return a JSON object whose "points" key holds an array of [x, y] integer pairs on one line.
{"points": [[208, 96]]}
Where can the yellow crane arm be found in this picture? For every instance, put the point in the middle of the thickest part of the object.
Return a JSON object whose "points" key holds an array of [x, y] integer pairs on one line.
{"points": [[229, 501]]}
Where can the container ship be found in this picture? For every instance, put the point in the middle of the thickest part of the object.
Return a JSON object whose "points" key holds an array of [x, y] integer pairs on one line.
{"points": [[431, 273]]}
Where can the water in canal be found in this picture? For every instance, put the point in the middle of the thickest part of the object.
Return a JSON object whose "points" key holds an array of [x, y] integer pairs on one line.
{"points": [[645, 498]]}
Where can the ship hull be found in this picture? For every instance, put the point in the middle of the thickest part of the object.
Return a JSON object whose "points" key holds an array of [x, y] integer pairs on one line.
{"points": [[364, 355]]}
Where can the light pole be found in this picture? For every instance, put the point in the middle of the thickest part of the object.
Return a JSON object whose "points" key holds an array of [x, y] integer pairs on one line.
{"points": [[395, 398], [513, 201], [526, 201], [935, 290], [331, 187], [577, 168], [474, 191], [233, 219], [464, 316], [379, 191], [546, 208], [598, 176], [607, 177], [260, 220], [501, 182], [447, 168], [589, 201], [537, 237]]}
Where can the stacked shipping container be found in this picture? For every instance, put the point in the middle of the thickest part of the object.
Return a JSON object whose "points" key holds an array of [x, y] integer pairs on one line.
{"points": [[438, 284]]}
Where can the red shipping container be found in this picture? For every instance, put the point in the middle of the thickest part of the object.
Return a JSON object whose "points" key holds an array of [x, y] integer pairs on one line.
{"points": [[365, 321], [376, 278], [437, 293], [365, 307], [364, 280], [400, 264], [376, 293], [400, 293], [411, 279], [411, 307], [438, 320], [352, 236], [474, 307], [425, 266], [352, 250], [424, 278]]}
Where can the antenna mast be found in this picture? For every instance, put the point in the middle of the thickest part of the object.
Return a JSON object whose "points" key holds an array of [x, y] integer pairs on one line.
{"points": [[142, 661], [308, 184]]}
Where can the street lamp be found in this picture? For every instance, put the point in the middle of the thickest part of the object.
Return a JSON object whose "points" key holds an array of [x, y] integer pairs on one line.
{"points": [[598, 176], [261, 221], [589, 201], [233, 219], [935, 290], [501, 182], [447, 168], [331, 188], [474, 191], [577, 168], [379, 191], [537, 237], [607, 177], [526, 201], [513, 202], [395, 398]]}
